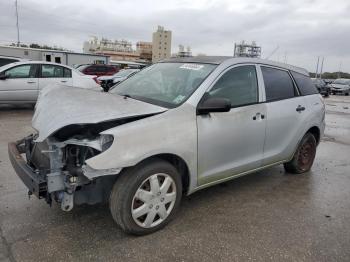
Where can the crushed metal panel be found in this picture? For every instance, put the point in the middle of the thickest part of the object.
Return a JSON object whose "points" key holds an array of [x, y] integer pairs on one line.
{"points": [[60, 106]]}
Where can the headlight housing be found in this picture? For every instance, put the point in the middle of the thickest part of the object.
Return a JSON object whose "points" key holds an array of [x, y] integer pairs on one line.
{"points": [[106, 141]]}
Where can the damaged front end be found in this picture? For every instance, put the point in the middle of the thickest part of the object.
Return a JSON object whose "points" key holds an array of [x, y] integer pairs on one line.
{"points": [[52, 163], [56, 170]]}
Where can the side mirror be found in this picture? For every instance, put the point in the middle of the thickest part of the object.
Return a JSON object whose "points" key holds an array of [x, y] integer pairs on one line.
{"points": [[213, 104], [2, 76]]}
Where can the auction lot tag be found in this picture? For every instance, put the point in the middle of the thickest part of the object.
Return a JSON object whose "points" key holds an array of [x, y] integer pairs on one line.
{"points": [[192, 66]]}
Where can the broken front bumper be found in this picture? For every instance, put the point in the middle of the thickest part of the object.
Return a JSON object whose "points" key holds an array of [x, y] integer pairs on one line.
{"points": [[34, 181]]}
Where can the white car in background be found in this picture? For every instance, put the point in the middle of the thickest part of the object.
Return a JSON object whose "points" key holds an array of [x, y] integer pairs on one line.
{"points": [[108, 81], [21, 82]]}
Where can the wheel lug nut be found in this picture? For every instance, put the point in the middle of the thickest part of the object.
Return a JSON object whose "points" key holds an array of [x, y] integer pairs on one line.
{"points": [[158, 194], [150, 206], [157, 207], [162, 199]]}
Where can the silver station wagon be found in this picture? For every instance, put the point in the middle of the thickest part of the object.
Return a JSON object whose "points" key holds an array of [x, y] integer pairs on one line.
{"points": [[176, 127]]}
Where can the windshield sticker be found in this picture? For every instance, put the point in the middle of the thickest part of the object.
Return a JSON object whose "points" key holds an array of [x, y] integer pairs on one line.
{"points": [[178, 99], [192, 66]]}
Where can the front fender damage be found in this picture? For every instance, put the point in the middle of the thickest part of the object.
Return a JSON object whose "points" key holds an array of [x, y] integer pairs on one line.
{"points": [[70, 180]]}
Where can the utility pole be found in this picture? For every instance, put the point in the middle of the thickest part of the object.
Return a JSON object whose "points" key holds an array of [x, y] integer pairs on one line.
{"points": [[318, 61], [321, 71], [274, 51], [285, 57], [17, 23], [339, 69]]}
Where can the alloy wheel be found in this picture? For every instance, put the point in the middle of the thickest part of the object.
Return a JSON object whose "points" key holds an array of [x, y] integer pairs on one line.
{"points": [[153, 200]]}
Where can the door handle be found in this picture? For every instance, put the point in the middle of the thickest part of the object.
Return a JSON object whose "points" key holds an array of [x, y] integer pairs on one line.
{"points": [[258, 116], [300, 108], [63, 81], [31, 82]]}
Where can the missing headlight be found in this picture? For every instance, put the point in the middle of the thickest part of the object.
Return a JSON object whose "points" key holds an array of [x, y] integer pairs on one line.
{"points": [[106, 141]]}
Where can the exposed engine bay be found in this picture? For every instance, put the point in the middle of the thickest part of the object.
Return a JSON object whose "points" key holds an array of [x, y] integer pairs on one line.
{"points": [[59, 164]]}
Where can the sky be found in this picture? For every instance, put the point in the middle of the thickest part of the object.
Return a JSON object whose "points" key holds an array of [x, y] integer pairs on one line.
{"points": [[299, 31]]}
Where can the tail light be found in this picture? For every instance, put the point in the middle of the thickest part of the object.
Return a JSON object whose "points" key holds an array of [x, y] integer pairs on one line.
{"points": [[96, 80]]}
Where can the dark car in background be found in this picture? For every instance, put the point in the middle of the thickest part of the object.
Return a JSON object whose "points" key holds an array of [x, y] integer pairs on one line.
{"points": [[322, 86], [108, 81], [98, 69]]}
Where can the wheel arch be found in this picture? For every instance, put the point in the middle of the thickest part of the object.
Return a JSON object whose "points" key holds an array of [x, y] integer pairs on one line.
{"points": [[315, 131], [177, 162]]}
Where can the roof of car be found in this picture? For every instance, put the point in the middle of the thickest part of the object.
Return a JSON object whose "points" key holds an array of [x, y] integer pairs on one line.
{"points": [[234, 60], [199, 59], [34, 62]]}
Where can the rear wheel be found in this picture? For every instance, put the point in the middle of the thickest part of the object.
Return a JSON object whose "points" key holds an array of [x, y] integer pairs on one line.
{"points": [[145, 198], [304, 156]]}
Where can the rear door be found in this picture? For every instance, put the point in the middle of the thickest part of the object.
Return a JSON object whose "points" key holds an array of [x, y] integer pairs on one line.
{"points": [[286, 115], [54, 74], [20, 84]]}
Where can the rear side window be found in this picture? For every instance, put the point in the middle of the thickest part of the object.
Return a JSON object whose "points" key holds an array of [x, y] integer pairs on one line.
{"points": [[305, 85], [278, 84], [110, 69], [67, 73]]}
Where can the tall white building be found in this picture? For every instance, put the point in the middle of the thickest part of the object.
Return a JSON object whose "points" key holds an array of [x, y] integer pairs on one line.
{"points": [[161, 44]]}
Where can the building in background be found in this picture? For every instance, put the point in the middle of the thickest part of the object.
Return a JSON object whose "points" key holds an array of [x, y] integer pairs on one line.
{"points": [[244, 49], [56, 56], [144, 49], [117, 49], [184, 52], [161, 44]]}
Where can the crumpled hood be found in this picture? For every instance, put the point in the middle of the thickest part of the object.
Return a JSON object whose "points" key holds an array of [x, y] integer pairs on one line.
{"points": [[60, 106]]}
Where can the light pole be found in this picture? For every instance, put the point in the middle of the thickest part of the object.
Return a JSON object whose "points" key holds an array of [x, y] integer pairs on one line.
{"points": [[17, 23]]}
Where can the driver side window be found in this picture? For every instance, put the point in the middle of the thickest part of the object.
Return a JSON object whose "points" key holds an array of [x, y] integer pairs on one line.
{"points": [[239, 85]]}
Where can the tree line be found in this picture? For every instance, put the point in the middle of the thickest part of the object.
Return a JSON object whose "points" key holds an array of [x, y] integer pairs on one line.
{"points": [[332, 75]]}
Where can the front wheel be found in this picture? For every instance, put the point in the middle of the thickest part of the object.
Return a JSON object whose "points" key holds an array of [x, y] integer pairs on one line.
{"points": [[145, 198], [304, 156]]}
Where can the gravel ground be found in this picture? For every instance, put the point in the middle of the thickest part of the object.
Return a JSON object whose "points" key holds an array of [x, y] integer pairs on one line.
{"points": [[269, 215]]}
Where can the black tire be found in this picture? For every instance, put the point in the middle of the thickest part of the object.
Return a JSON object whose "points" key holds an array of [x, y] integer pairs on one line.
{"points": [[304, 156], [124, 189]]}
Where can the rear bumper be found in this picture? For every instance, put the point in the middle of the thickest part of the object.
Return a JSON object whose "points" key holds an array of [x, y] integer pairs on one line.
{"points": [[35, 183]]}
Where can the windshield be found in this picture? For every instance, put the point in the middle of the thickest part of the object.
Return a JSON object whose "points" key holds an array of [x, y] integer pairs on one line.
{"points": [[165, 84], [342, 82], [125, 72]]}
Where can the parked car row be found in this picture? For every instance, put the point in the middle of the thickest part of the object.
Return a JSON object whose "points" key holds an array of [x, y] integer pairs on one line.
{"points": [[338, 86]]}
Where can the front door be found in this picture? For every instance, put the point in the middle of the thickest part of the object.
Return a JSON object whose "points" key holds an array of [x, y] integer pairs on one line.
{"points": [[20, 84], [231, 143]]}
